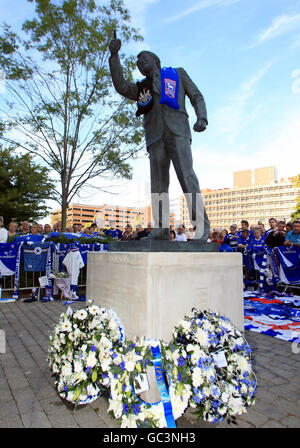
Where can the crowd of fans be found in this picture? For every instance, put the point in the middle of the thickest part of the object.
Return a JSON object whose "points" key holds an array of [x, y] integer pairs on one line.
{"points": [[235, 239]]}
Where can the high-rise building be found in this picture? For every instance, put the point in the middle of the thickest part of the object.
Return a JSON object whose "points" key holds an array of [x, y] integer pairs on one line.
{"points": [[86, 214], [255, 196]]}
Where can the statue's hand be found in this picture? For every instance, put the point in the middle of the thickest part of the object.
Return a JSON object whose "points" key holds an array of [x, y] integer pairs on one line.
{"points": [[200, 125], [114, 46]]}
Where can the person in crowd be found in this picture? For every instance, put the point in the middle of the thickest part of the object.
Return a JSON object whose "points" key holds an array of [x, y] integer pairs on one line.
{"points": [[209, 237], [113, 231], [262, 226], [172, 235], [289, 227], [47, 229], [258, 249], [215, 237], [77, 228], [24, 229], [128, 234], [245, 246], [12, 228], [244, 239], [273, 226], [40, 229], [3, 231], [86, 231], [222, 235], [293, 237], [190, 233], [180, 235], [146, 233], [276, 237], [232, 238], [94, 230], [245, 225], [34, 229]]}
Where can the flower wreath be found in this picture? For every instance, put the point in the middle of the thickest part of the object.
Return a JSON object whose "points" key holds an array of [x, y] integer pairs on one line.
{"points": [[80, 351], [215, 359], [207, 366], [129, 361]]}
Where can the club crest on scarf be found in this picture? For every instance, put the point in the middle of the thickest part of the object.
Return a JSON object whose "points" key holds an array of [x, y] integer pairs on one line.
{"points": [[170, 88]]}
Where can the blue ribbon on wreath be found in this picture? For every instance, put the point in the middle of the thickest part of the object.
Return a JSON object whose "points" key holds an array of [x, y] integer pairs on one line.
{"points": [[164, 394]]}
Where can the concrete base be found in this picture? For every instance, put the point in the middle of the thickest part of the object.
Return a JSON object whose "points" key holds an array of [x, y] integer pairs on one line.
{"points": [[152, 291]]}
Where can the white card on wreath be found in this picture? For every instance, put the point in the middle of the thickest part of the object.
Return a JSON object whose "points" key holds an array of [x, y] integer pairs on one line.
{"points": [[141, 383], [219, 359]]}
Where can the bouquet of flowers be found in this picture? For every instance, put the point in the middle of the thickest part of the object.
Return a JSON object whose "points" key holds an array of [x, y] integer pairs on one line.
{"points": [[211, 355], [80, 349], [129, 362]]}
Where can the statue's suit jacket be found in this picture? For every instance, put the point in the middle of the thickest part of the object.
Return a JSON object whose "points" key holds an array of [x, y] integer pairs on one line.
{"points": [[162, 116]]}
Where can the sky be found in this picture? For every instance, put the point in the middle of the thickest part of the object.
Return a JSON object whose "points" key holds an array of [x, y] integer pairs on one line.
{"points": [[244, 56]]}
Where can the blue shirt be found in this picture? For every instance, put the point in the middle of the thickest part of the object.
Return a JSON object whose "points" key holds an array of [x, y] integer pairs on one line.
{"points": [[232, 240], [116, 233], [259, 246], [293, 237]]}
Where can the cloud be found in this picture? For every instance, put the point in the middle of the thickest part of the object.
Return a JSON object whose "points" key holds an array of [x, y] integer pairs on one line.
{"points": [[230, 119], [280, 25], [280, 149], [200, 5], [138, 11]]}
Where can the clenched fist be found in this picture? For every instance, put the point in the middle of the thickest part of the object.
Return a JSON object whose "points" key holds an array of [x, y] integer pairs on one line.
{"points": [[114, 46]]}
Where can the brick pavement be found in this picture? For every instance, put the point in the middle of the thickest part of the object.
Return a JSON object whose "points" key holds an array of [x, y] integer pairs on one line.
{"points": [[28, 398]]}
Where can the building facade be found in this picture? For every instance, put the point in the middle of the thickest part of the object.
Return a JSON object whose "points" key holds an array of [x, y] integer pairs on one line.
{"points": [[87, 214], [256, 196]]}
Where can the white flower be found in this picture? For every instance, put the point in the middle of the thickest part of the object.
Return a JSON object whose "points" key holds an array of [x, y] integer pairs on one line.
{"points": [[92, 389], [94, 310], [130, 360], [116, 406], [186, 326], [243, 364], [129, 421], [80, 314], [91, 360], [236, 405], [201, 336], [197, 377], [77, 366], [80, 376], [157, 413], [66, 326], [66, 369], [224, 397]]}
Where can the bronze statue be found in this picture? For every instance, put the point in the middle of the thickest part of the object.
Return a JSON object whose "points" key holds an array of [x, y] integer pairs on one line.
{"points": [[167, 133]]}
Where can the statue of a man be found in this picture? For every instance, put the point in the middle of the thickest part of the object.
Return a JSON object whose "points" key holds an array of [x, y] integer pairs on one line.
{"points": [[161, 98]]}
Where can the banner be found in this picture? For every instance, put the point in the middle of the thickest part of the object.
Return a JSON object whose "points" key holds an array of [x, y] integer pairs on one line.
{"points": [[289, 264]]}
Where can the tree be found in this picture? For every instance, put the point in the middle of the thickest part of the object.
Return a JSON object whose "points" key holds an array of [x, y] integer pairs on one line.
{"points": [[296, 184], [24, 187], [59, 93]]}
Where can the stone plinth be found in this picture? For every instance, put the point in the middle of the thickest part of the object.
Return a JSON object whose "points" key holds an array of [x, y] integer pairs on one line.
{"points": [[152, 291]]}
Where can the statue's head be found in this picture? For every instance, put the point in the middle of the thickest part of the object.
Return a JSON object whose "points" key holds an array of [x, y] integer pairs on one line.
{"points": [[147, 62]]}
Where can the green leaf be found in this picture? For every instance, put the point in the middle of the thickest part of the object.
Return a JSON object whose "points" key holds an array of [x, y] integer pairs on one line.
{"points": [[94, 376]]}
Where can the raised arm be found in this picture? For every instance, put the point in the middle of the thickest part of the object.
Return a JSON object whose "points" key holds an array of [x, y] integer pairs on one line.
{"points": [[122, 86]]}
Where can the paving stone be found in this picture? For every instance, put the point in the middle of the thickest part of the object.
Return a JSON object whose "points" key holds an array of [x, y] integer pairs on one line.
{"points": [[9, 410], [291, 422], [35, 420], [273, 424], [254, 417]]}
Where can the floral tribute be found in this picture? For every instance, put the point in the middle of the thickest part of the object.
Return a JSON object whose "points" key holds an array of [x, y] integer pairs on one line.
{"points": [[129, 362], [207, 366], [211, 355], [80, 352]]}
